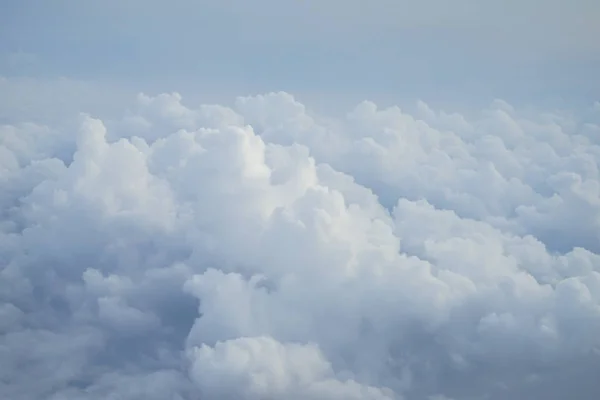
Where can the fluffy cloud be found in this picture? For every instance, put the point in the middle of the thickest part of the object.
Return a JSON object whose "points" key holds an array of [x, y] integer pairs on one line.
{"points": [[260, 251]]}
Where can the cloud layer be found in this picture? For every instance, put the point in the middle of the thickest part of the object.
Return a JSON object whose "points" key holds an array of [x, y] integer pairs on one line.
{"points": [[260, 251]]}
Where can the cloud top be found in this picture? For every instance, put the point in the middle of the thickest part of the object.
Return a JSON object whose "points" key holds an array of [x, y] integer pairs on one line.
{"points": [[261, 251]]}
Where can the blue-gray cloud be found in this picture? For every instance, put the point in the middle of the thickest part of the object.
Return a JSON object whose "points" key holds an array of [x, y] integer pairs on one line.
{"points": [[262, 251], [155, 248]]}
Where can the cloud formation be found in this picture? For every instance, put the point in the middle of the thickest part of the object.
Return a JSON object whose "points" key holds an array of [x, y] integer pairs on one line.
{"points": [[261, 251]]}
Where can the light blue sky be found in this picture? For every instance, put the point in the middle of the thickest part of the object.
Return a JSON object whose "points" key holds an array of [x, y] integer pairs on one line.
{"points": [[461, 51]]}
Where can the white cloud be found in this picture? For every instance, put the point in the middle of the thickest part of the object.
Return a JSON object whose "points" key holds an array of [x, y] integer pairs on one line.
{"points": [[261, 368], [261, 251]]}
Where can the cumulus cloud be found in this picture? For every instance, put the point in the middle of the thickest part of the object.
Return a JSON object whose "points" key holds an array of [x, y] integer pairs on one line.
{"points": [[261, 251]]}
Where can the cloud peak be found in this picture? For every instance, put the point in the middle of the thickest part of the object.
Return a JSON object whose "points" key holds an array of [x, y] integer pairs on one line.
{"points": [[262, 251]]}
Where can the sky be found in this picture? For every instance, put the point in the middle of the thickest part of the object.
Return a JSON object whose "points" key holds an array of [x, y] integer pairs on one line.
{"points": [[321, 200], [385, 50]]}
